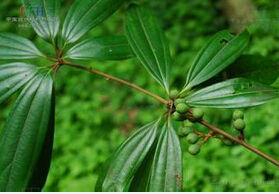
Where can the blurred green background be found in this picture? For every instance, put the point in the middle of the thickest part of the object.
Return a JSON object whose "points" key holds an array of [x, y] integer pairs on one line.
{"points": [[93, 116]]}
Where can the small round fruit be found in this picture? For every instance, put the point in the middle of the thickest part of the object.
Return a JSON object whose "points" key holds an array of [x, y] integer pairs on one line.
{"points": [[192, 138], [184, 131], [177, 116], [182, 108], [188, 124], [178, 101], [239, 124], [198, 113], [227, 142], [238, 114], [174, 94], [194, 149]]}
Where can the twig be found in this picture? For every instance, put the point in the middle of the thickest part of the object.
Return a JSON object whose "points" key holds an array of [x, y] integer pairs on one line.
{"points": [[207, 137], [109, 77], [246, 145]]}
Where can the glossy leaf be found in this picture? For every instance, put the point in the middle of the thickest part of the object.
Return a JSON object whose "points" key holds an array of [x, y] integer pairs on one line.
{"points": [[166, 171], [217, 54], [255, 67], [16, 47], [140, 182], [101, 48], [43, 16], [234, 93], [25, 133], [85, 15], [14, 76], [40, 173], [148, 43], [128, 158]]}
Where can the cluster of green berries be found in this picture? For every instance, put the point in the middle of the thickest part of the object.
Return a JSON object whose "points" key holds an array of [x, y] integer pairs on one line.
{"points": [[238, 120], [181, 108], [186, 130]]}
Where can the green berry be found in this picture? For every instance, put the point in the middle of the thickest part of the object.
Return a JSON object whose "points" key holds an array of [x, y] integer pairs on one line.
{"points": [[178, 101], [182, 108], [192, 138], [239, 124], [177, 116], [194, 149], [198, 113], [238, 114], [187, 123], [174, 94], [184, 131], [227, 141]]}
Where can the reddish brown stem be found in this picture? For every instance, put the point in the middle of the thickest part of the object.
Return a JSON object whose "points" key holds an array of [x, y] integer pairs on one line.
{"points": [[207, 137], [109, 77], [246, 145]]}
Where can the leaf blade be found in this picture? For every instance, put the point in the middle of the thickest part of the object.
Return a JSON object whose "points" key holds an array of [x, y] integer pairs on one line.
{"points": [[166, 171], [255, 67], [44, 16], [85, 15], [13, 77], [16, 47], [101, 48], [24, 134], [234, 93], [149, 43], [128, 158], [217, 54]]}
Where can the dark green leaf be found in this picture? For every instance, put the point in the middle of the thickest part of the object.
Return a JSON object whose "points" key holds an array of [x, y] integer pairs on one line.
{"points": [[148, 43], [13, 76], [128, 158], [43, 16], [40, 172], [17, 47], [218, 53], [24, 134], [255, 67], [234, 93], [101, 48], [85, 15], [140, 182], [166, 171]]}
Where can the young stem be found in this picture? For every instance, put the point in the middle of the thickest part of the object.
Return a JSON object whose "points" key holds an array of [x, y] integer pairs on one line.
{"points": [[109, 77], [241, 142]]}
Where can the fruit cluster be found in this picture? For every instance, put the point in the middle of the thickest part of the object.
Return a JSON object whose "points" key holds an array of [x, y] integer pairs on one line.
{"points": [[186, 130], [182, 112], [238, 120], [181, 108]]}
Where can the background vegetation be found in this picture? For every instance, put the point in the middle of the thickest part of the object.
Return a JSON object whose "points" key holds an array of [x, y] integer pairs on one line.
{"points": [[93, 116]]}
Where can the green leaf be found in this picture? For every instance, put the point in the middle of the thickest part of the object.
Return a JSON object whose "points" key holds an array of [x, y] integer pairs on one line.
{"points": [[24, 134], [39, 176], [140, 182], [166, 171], [85, 15], [17, 47], [148, 43], [128, 158], [44, 17], [255, 67], [14, 76], [234, 93], [101, 48], [217, 54]]}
